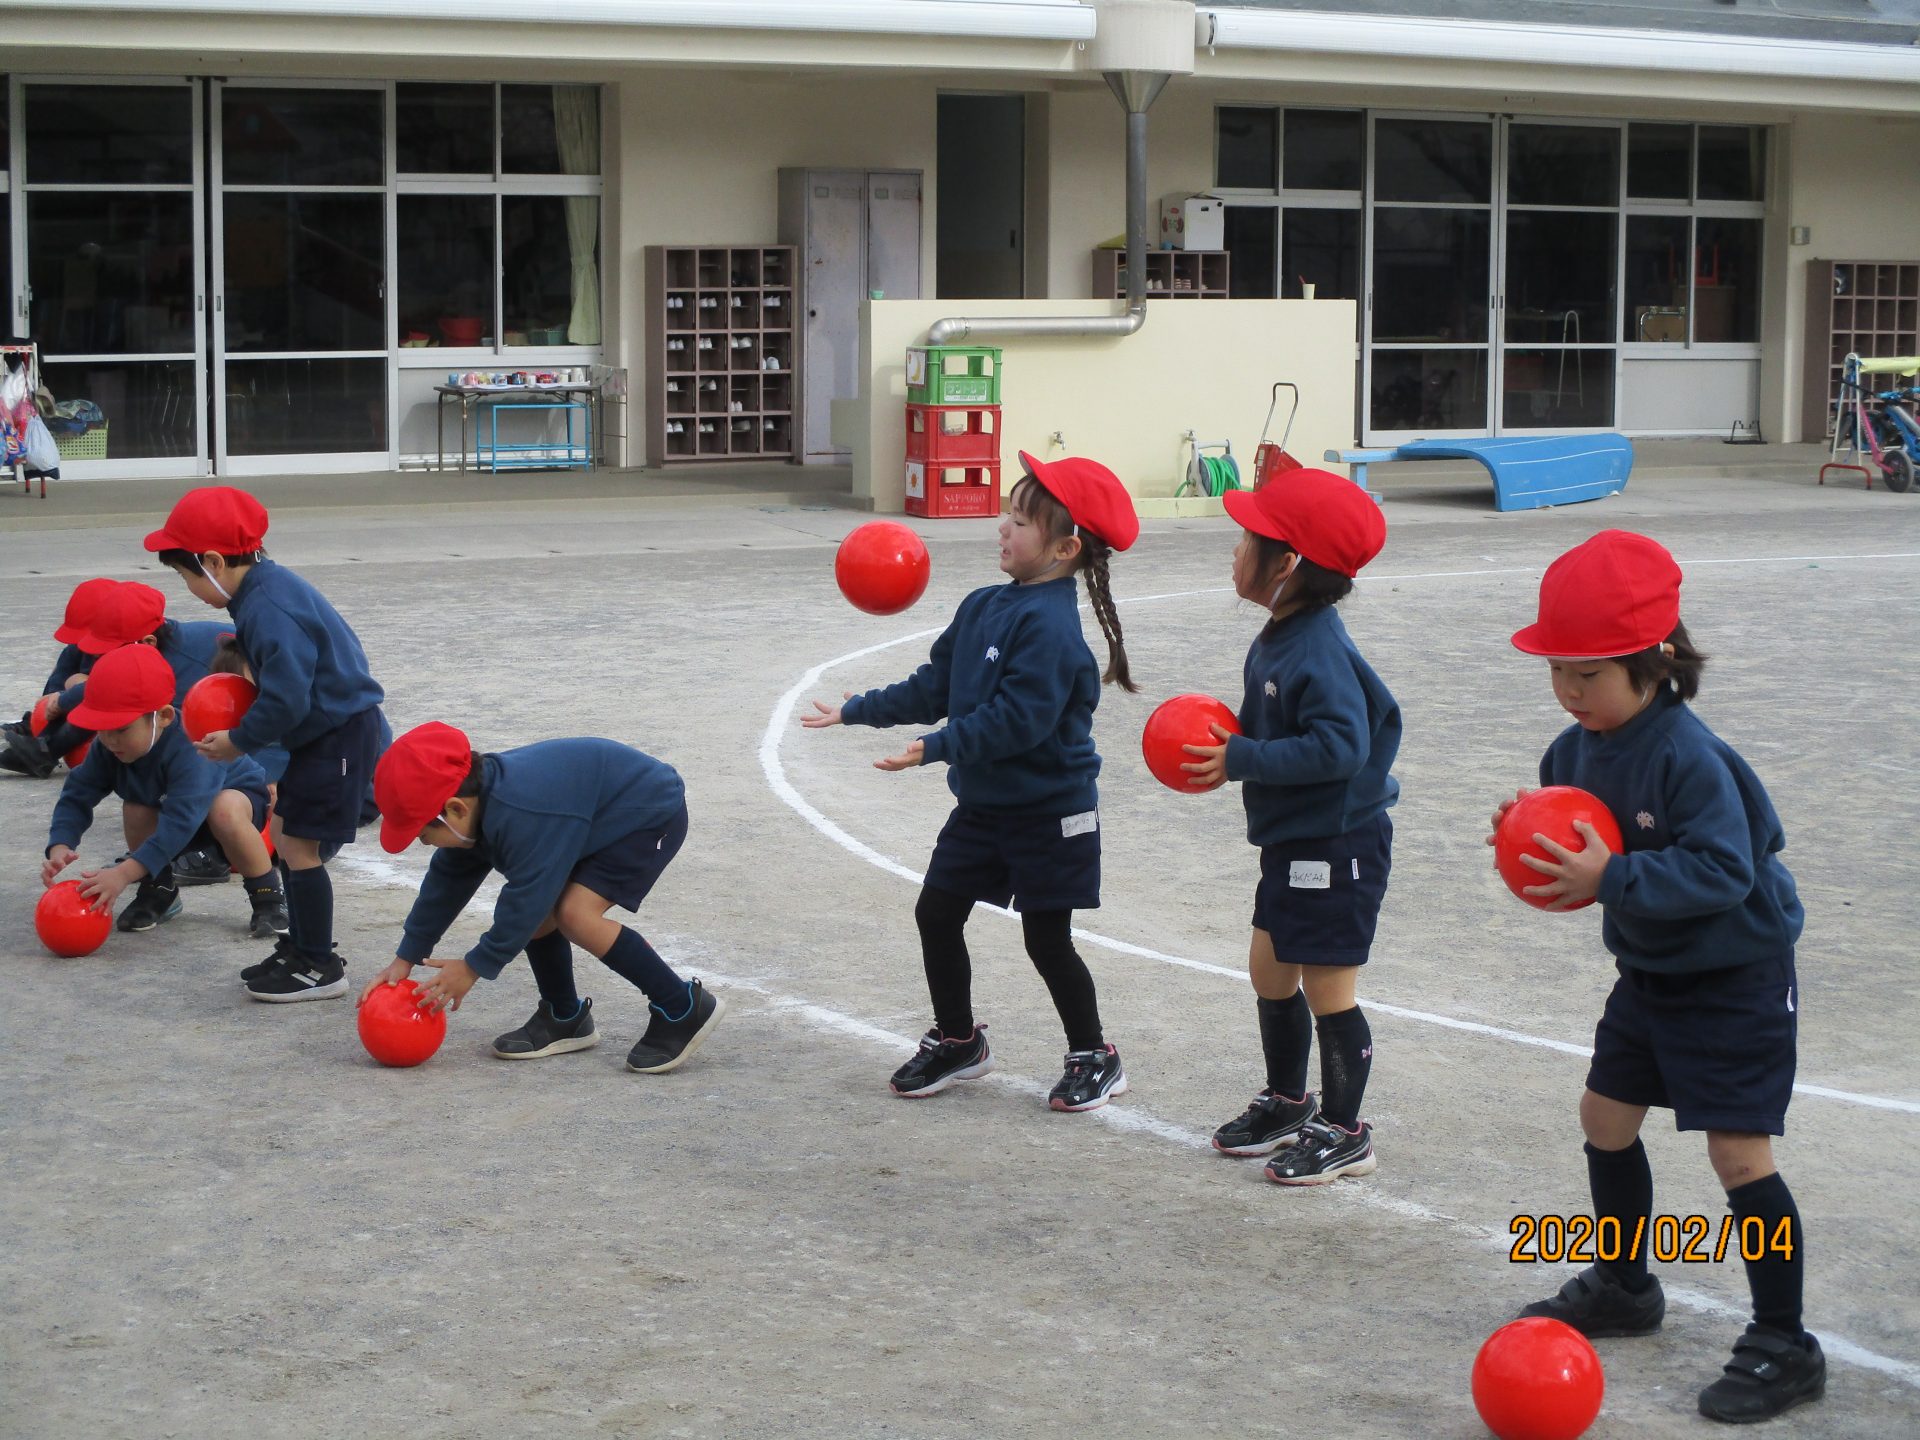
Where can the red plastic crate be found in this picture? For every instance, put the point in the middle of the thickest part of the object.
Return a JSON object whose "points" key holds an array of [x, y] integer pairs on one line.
{"points": [[948, 492], [953, 434]]}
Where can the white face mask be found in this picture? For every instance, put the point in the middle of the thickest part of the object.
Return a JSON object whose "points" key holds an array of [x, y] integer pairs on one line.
{"points": [[224, 595], [1281, 588], [463, 838], [153, 733]]}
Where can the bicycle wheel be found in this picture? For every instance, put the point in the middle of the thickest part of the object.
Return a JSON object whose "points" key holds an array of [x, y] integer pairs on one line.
{"points": [[1899, 471]]}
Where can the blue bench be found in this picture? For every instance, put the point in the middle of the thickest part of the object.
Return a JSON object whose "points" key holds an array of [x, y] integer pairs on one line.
{"points": [[1529, 471]]}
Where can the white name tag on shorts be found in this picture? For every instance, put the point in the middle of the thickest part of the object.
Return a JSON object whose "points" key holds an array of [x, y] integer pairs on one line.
{"points": [[1310, 875], [1085, 823]]}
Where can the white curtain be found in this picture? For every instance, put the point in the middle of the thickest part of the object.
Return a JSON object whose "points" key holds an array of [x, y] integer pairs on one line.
{"points": [[576, 123]]}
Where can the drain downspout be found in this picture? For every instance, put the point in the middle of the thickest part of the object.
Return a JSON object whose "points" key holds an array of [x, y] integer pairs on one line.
{"points": [[1136, 90]]}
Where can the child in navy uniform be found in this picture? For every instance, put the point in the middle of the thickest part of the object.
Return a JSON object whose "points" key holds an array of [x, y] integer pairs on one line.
{"points": [[576, 827], [21, 751], [1014, 680], [1701, 918], [136, 614], [1319, 736], [172, 796], [317, 700]]}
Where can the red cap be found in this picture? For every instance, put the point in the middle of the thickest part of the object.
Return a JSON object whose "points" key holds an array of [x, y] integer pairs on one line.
{"points": [[213, 518], [1616, 594], [1093, 495], [131, 612], [1326, 519], [81, 606], [123, 685], [415, 779]]}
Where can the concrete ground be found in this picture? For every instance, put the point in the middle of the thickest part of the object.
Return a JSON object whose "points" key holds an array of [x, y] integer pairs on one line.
{"points": [[221, 1219]]}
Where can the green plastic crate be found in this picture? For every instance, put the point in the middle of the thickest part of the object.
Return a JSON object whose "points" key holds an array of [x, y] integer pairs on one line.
{"points": [[953, 375]]}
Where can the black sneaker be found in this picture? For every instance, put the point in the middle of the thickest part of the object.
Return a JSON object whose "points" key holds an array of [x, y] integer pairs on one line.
{"points": [[1596, 1304], [270, 919], [668, 1043], [1322, 1153], [938, 1063], [544, 1035], [1092, 1077], [204, 866], [30, 756], [296, 977], [152, 905], [1272, 1120], [282, 950], [1769, 1373]]}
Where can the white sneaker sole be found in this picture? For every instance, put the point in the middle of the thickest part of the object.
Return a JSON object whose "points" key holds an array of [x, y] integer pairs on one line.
{"points": [[318, 992], [1265, 1147], [699, 1039], [558, 1047], [1365, 1165], [1119, 1087], [970, 1072]]}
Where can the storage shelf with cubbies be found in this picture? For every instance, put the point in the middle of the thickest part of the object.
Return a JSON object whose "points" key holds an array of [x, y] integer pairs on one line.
{"points": [[1171, 274], [720, 353], [1869, 308]]}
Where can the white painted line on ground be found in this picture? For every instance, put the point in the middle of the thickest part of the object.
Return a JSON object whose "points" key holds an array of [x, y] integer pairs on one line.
{"points": [[1132, 1119], [774, 769]]}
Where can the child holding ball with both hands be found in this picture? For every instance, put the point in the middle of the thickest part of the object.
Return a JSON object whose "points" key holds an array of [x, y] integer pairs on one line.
{"points": [[1320, 732], [1701, 918], [1017, 685]]}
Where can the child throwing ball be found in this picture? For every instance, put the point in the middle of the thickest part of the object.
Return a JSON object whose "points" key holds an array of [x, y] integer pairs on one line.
{"points": [[1701, 919], [1320, 732], [1017, 685]]}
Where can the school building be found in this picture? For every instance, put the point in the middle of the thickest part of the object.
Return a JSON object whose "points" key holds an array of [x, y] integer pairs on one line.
{"points": [[261, 238]]}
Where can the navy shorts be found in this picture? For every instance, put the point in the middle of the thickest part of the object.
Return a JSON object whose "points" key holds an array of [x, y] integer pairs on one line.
{"points": [[1320, 899], [1716, 1047], [625, 870], [326, 780], [1035, 862]]}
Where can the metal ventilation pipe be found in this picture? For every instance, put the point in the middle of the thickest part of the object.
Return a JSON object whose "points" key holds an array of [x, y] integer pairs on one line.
{"points": [[1136, 90]]}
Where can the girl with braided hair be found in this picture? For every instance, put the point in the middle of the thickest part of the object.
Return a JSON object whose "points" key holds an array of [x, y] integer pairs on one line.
{"points": [[1016, 683]]}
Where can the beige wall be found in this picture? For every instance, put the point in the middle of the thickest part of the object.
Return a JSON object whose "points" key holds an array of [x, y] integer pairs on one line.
{"points": [[1204, 365], [1847, 179]]}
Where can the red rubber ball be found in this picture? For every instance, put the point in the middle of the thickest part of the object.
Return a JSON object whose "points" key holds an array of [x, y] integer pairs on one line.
{"points": [[216, 702], [882, 567], [1183, 720], [1538, 1379], [1549, 812], [395, 1030], [67, 923]]}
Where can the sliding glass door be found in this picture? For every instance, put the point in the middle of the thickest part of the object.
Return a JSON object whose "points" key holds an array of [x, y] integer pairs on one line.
{"points": [[302, 194], [1428, 324], [106, 207]]}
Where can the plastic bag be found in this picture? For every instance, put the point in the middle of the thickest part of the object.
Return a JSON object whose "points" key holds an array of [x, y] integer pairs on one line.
{"points": [[41, 451]]}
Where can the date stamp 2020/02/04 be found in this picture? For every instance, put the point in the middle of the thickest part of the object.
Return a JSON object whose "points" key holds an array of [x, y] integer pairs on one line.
{"points": [[1690, 1239]]}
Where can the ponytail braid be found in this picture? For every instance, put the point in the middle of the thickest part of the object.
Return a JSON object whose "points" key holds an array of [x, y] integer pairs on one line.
{"points": [[1100, 595]]}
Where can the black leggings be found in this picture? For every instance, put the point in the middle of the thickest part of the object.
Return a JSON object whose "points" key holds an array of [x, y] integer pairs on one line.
{"points": [[942, 918]]}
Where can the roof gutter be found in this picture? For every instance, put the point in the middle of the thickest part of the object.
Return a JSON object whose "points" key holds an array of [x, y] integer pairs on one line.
{"points": [[989, 19], [1578, 46]]}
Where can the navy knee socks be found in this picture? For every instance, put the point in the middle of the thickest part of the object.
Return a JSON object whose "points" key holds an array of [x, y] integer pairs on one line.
{"points": [[1622, 1185], [633, 959], [1286, 1036], [310, 911], [1346, 1059], [550, 958], [1776, 1276]]}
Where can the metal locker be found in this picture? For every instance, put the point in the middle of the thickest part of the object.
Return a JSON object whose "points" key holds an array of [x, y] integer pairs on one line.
{"points": [[856, 231]]}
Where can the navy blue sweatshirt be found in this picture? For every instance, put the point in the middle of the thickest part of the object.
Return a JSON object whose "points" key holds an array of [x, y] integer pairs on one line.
{"points": [[173, 778], [1014, 680], [1700, 885], [71, 661], [543, 809], [307, 661], [1320, 732]]}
